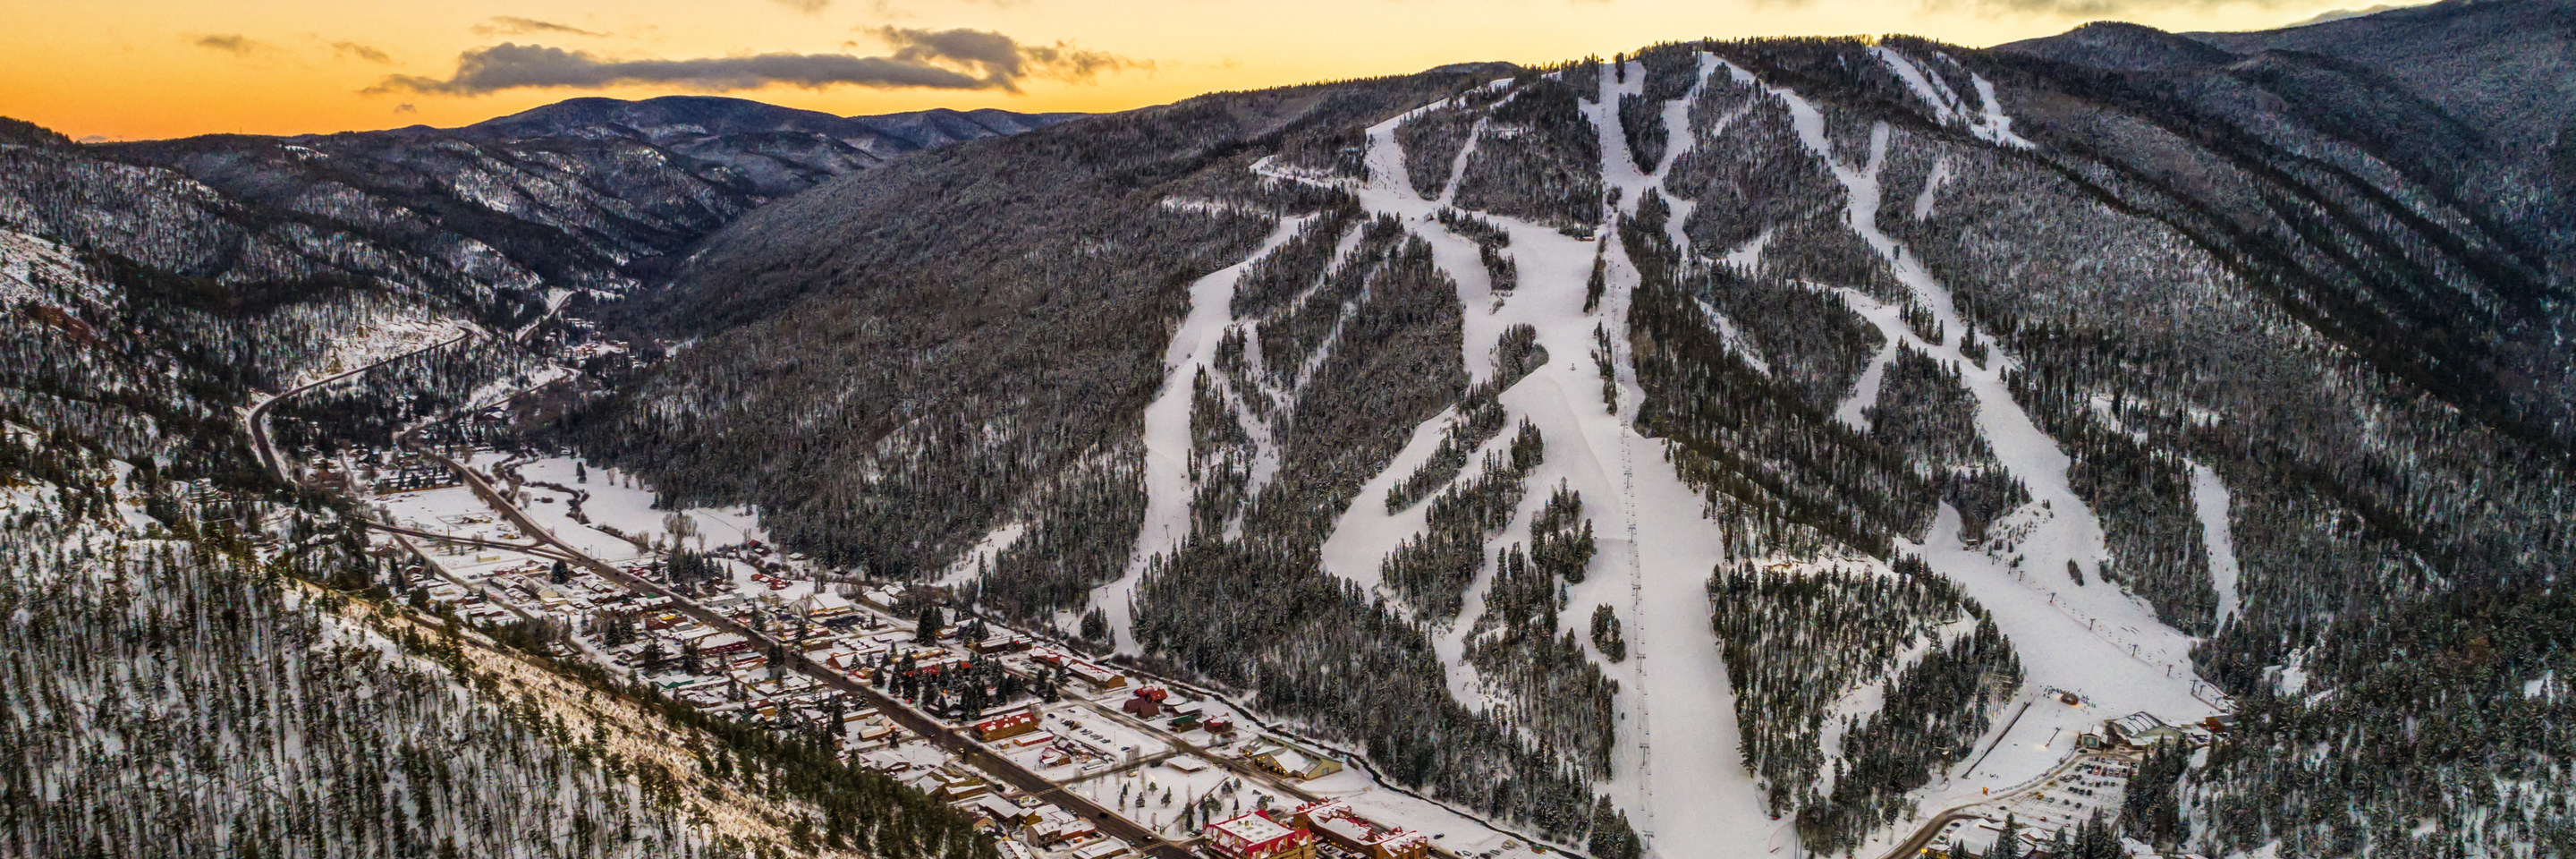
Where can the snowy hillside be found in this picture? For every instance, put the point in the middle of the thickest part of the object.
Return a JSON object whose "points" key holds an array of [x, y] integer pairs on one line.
{"points": [[1790, 446], [1450, 400]]}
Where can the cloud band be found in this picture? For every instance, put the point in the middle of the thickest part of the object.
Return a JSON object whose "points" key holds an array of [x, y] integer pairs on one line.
{"points": [[925, 59]]}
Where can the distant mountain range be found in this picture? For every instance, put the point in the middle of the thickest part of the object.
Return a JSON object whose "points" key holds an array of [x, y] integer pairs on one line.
{"points": [[780, 149], [496, 220]]}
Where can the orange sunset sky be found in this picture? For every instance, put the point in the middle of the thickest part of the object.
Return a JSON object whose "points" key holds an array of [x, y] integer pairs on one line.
{"points": [[134, 69]]}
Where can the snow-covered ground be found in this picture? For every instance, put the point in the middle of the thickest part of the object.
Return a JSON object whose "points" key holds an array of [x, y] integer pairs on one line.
{"points": [[1138, 793], [622, 501], [2209, 501], [1168, 486], [2094, 640], [1676, 772]]}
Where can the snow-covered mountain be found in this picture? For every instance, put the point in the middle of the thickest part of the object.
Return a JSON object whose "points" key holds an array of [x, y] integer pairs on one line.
{"points": [[1713, 449], [1872, 395]]}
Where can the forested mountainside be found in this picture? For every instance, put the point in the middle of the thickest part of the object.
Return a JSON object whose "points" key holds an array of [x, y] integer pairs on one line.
{"points": [[2168, 373], [778, 150], [206, 660]]}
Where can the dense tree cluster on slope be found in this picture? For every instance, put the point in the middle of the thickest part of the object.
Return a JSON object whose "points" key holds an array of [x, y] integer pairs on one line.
{"points": [[1805, 336], [1293, 335], [931, 375], [1743, 435], [1283, 276], [1923, 410], [1538, 160], [1433, 569], [1479, 417], [1556, 691], [1371, 353], [2186, 283], [1084, 526], [369, 408], [1807, 648], [1434, 138], [1492, 244], [172, 698]]}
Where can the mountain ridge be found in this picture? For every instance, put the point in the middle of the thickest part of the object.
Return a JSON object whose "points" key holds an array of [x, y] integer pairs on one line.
{"points": [[1890, 413]]}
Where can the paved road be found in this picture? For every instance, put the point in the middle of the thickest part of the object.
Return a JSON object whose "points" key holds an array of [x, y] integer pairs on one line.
{"points": [[536, 549], [256, 420], [1923, 835], [972, 753]]}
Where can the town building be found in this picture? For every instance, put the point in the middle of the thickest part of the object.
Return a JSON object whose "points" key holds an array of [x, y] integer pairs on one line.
{"points": [[1256, 836], [1147, 703], [1005, 727], [1293, 762], [1105, 848], [2140, 729], [1339, 825]]}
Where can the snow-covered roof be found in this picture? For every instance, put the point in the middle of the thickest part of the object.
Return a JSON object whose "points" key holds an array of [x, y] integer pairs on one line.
{"points": [[1251, 828], [2138, 724]]}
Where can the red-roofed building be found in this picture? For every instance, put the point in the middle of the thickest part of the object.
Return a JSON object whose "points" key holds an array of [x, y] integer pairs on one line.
{"points": [[1004, 727], [1256, 836], [1144, 706]]}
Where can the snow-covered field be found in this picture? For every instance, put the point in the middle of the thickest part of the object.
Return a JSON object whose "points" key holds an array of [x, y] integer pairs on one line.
{"points": [[1138, 793], [621, 501]]}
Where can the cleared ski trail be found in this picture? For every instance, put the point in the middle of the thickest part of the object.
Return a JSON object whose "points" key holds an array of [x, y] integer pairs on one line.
{"points": [[1168, 485], [2094, 640], [1677, 773], [2209, 501]]}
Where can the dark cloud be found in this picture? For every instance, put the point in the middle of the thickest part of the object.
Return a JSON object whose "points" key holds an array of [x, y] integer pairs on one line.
{"points": [[231, 43], [809, 7], [509, 66], [406, 108], [1000, 58], [513, 25], [924, 59], [368, 53]]}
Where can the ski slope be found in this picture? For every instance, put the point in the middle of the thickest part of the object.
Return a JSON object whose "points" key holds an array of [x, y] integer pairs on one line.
{"points": [[1168, 484], [2094, 640], [1678, 773]]}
